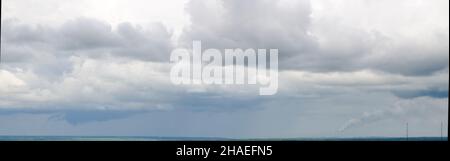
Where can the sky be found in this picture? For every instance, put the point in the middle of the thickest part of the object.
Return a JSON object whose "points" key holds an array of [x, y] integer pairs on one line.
{"points": [[347, 68]]}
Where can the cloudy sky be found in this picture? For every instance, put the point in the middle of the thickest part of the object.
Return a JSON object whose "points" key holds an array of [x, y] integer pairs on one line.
{"points": [[347, 67]]}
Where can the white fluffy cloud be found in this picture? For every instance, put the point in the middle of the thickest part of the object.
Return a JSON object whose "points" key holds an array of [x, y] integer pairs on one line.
{"points": [[421, 109]]}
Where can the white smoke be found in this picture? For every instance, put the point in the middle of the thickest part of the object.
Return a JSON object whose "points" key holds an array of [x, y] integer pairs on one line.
{"points": [[416, 108]]}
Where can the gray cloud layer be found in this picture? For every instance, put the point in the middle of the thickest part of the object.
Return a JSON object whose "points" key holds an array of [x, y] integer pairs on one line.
{"points": [[336, 63], [85, 37], [310, 41]]}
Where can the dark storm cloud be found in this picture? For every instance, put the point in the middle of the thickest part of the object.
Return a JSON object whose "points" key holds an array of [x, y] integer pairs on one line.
{"points": [[315, 44], [87, 69], [251, 24], [85, 34], [305, 41], [434, 93], [84, 37]]}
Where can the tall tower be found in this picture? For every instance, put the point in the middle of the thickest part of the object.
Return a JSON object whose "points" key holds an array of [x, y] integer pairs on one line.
{"points": [[407, 131], [442, 131]]}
